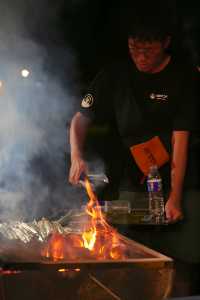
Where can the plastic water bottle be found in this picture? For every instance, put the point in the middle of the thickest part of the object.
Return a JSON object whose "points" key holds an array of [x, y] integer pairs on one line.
{"points": [[156, 199]]}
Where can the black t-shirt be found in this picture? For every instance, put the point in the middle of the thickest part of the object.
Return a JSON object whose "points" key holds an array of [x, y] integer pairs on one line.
{"points": [[144, 105]]}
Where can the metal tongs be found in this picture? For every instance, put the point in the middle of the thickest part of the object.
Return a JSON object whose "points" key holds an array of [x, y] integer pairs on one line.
{"points": [[95, 179]]}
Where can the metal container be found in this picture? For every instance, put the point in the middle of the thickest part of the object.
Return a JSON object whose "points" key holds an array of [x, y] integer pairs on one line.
{"points": [[144, 275]]}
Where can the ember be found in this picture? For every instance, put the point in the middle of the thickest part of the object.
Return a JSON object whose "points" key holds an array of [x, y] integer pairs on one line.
{"points": [[67, 270], [9, 272]]}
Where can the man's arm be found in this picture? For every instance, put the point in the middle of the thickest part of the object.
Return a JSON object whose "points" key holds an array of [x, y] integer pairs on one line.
{"points": [[78, 132], [180, 141]]}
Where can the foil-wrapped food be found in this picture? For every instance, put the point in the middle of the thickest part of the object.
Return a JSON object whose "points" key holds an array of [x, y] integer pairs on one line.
{"points": [[25, 232], [40, 230]]}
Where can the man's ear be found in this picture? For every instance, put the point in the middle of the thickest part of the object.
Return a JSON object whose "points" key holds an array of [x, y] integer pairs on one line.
{"points": [[130, 41], [167, 42]]}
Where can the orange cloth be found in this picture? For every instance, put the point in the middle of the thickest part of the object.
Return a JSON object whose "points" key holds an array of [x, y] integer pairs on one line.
{"points": [[150, 153]]}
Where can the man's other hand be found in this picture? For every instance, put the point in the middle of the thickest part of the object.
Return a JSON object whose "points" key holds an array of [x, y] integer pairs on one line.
{"points": [[173, 211]]}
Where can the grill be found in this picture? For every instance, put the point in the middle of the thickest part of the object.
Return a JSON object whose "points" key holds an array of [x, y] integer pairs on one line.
{"points": [[143, 274]]}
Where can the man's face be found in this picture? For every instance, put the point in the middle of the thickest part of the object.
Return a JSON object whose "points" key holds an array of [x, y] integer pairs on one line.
{"points": [[147, 55]]}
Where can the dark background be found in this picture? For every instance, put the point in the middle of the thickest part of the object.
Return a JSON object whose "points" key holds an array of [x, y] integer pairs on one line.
{"points": [[94, 32]]}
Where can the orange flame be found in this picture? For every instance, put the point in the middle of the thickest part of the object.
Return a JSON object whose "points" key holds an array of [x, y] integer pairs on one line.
{"points": [[101, 238], [89, 238], [94, 211], [98, 239]]}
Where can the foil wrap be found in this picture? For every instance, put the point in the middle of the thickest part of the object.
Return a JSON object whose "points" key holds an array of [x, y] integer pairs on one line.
{"points": [[25, 232]]}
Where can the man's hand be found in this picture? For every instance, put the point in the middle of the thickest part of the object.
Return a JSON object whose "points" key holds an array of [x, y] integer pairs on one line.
{"points": [[78, 167], [180, 140], [78, 131], [173, 210]]}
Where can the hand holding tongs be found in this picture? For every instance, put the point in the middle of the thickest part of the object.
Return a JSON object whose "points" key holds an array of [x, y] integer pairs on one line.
{"points": [[95, 179]]}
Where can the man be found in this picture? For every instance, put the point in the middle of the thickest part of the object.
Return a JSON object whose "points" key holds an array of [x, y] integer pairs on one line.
{"points": [[146, 97], [151, 99]]}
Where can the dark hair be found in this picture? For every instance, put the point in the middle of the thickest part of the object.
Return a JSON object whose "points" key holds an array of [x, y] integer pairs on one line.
{"points": [[150, 28], [152, 20]]}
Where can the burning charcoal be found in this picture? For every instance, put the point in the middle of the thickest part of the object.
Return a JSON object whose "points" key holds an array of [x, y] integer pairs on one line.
{"points": [[60, 247], [56, 247]]}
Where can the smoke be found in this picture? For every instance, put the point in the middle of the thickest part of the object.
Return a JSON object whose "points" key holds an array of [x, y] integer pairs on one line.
{"points": [[34, 111]]}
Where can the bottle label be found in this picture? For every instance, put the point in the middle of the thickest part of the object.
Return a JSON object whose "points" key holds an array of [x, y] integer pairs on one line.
{"points": [[154, 185]]}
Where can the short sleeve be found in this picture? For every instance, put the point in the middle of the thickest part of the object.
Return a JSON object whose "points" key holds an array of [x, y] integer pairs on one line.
{"points": [[96, 104]]}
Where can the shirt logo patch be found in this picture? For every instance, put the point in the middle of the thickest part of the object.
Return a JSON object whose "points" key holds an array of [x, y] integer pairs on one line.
{"points": [[159, 97], [87, 101]]}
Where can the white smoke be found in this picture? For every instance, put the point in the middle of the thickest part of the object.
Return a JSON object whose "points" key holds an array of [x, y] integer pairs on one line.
{"points": [[33, 115]]}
